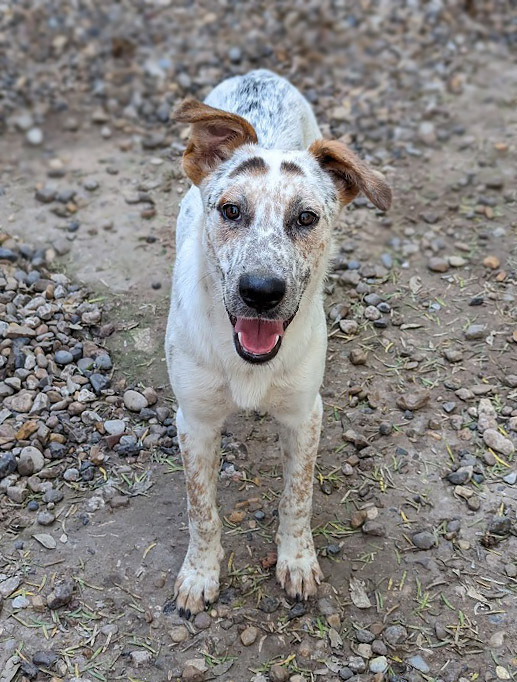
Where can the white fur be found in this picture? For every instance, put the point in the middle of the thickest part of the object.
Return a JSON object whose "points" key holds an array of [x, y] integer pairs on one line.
{"points": [[211, 381]]}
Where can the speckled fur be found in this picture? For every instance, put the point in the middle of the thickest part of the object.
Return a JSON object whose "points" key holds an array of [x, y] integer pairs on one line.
{"points": [[210, 380]]}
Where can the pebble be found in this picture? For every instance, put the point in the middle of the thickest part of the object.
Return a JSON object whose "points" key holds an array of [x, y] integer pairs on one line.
{"points": [[31, 461], [491, 262], [249, 635], [413, 401], [437, 264], [179, 634], [61, 595], [395, 634], [63, 357], [115, 426], [510, 478], [135, 401], [34, 137], [379, 664], [424, 540], [358, 356], [356, 664], [7, 465], [475, 332], [10, 585], [202, 621], [418, 663], [460, 476], [427, 133], [44, 659], [495, 440], [45, 518], [349, 327], [278, 673], [140, 657]]}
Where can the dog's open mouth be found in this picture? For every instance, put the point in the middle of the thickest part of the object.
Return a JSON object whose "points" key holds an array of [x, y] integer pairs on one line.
{"points": [[256, 339]]}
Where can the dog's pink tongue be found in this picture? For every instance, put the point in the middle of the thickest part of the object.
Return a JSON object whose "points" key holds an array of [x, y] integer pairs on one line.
{"points": [[258, 336]]}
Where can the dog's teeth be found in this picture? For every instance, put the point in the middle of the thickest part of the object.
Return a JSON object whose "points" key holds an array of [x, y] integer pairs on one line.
{"points": [[239, 336]]}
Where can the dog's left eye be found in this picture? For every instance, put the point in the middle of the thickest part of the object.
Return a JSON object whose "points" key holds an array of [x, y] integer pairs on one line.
{"points": [[231, 211], [307, 218]]}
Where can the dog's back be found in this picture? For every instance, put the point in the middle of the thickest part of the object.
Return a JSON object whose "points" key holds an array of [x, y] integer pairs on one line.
{"points": [[280, 115]]}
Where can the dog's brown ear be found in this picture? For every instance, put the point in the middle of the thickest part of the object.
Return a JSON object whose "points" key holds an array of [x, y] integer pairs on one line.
{"points": [[350, 174], [214, 136]]}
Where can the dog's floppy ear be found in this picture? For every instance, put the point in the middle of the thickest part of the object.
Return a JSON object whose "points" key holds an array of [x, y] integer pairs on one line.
{"points": [[350, 174], [214, 136]]}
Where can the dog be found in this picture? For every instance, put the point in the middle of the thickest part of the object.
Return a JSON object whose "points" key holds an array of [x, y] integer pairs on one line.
{"points": [[246, 328]]}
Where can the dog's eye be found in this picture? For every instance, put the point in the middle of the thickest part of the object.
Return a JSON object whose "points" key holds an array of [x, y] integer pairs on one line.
{"points": [[307, 218], [231, 211]]}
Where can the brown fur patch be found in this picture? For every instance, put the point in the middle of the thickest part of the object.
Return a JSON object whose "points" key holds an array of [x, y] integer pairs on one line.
{"points": [[351, 175], [214, 137], [256, 166], [291, 168]]}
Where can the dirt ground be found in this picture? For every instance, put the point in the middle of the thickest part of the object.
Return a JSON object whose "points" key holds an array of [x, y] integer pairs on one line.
{"points": [[415, 506]]}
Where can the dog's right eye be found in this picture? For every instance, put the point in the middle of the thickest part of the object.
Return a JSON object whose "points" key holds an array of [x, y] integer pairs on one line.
{"points": [[231, 211]]}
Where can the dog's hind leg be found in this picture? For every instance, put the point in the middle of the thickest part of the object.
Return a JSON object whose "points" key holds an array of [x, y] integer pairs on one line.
{"points": [[198, 581], [297, 567]]}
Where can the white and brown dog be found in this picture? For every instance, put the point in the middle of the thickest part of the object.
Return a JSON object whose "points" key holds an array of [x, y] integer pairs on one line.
{"points": [[246, 327]]}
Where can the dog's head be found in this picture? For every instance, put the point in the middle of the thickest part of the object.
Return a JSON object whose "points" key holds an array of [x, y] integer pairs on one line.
{"points": [[268, 216]]}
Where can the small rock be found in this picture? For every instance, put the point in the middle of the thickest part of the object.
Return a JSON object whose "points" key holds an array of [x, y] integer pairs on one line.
{"points": [[31, 461], [348, 327], [278, 673], [424, 540], [44, 659], [413, 401], [495, 440], [491, 262], [475, 332], [34, 137], [358, 356], [419, 664], [427, 133], [356, 664], [45, 518], [497, 639], [395, 635], [63, 357], [510, 478], [135, 401], [452, 355], [179, 634], [8, 465], [10, 585], [202, 621], [379, 664], [437, 264], [61, 595], [140, 657], [249, 635], [460, 476], [502, 673]]}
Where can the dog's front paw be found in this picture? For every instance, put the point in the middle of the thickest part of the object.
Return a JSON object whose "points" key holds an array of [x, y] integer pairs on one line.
{"points": [[195, 588], [299, 574]]}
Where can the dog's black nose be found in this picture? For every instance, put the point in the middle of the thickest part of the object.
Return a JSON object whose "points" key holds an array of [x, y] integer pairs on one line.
{"points": [[261, 292]]}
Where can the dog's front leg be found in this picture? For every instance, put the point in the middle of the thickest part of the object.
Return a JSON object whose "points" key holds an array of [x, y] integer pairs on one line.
{"points": [[198, 581], [297, 568]]}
